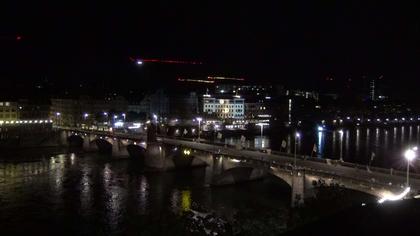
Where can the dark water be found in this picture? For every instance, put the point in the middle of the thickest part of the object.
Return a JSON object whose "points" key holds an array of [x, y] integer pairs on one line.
{"points": [[358, 144], [91, 194]]}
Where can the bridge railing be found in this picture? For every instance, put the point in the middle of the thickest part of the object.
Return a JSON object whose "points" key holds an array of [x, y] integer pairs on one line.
{"points": [[299, 156]]}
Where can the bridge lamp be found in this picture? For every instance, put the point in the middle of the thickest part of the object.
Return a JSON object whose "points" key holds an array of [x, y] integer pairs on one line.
{"points": [[297, 136], [57, 114], [187, 152], [409, 155], [199, 119]]}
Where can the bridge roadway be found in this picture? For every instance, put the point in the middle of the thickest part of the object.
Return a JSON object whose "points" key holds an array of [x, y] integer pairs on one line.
{"points": [[378, 177]]}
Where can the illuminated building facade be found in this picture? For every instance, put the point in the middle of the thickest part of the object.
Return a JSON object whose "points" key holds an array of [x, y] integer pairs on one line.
{"points": [[8, 111], [224, 108]]}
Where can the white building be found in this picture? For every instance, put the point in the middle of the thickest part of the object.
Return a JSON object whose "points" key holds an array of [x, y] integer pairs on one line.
{"points": [[232, 108]]}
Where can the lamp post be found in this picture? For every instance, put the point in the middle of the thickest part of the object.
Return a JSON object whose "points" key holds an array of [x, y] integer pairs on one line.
{"points": [[85, 116], [199, 119], [297, 136], [341, 144], [409, 155], [57, 114]]}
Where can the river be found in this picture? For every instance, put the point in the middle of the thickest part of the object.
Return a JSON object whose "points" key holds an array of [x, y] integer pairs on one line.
{"points": [[358, 144], [91, 194]]}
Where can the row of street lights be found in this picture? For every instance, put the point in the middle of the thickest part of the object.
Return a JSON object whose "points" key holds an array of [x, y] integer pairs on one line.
{"points": [[86, 115], [410, 154]]}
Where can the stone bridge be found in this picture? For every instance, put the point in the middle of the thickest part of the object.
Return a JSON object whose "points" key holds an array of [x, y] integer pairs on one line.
{"points": [[226, 165]]}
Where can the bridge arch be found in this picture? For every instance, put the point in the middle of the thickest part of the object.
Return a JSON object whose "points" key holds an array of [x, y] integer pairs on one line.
{"points": [[104, 146], [136, 152], [75, 140], [238, 174]]}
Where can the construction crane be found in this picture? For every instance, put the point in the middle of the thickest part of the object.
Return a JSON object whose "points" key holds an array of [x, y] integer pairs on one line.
{"points": [[140, 61]]}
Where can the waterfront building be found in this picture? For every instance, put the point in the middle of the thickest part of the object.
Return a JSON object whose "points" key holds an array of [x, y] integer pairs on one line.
{"points": [[86, 110], [9, 110], [224, 108], [30, 109]]}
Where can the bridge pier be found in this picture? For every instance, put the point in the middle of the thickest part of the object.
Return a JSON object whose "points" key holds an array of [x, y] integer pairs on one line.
{"points": [[155, 156], [298, 188], [63, 138], [86, 143], [118, 149]]}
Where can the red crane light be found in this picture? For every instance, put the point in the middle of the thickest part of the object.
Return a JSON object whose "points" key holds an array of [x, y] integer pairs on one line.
{"points": [[142, 60]]}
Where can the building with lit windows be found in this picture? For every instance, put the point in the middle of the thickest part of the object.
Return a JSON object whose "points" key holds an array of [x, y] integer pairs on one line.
{"points": [[86, 110], [8, 111], [224, 108]]}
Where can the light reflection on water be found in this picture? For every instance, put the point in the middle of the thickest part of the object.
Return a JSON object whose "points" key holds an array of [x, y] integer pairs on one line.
{"points": [[359, 143], [79, 194]]}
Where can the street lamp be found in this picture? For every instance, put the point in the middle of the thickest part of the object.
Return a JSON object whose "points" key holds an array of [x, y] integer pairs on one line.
{"points": [[297, 136], [409, 155], [123, 114], [57, 114], [85, 116], [199, 119], [341, 144]]}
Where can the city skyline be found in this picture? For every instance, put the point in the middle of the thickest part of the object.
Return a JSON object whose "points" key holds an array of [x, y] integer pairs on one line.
{"points": [[205, 118]]}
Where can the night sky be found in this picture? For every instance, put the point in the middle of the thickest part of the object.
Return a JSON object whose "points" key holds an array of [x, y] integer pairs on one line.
{"points": [[287, 42]]}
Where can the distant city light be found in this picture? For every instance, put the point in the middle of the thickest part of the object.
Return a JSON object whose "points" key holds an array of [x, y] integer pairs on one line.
{"points": [[139, 62], [118, 124]]}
